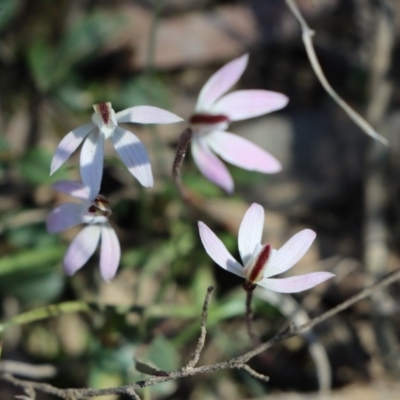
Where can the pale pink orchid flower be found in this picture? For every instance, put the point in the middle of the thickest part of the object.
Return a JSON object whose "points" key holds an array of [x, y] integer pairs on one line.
{"points": [[95, 215], [213, 113], [261, 262], [104, 126]]}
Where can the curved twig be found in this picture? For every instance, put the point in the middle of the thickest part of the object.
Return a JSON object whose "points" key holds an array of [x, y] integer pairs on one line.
{"points": [[238, 362], [307, 35]]}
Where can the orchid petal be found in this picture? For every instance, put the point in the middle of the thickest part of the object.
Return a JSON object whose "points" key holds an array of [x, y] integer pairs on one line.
{"points": [[244, 104], [218, 252], [147, 115], [133, 155], [295, 284], [290, 253], [250, 231], [210, 166], [92, 163], [68, 145], [221, 82], [64, 216], [110, 252], [72, 188], [81, 248], [242, 153]]}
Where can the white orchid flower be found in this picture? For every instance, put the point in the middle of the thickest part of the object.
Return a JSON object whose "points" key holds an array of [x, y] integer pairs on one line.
{"points": [[215, 110], [95, 215], [261, 262], [104, 126]]}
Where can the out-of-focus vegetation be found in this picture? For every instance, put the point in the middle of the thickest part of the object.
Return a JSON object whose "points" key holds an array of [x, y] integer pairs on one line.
{"points": [[57, 59]]}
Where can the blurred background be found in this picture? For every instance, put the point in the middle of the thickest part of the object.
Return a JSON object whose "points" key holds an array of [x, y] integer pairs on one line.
{"points": [[57, 59]]}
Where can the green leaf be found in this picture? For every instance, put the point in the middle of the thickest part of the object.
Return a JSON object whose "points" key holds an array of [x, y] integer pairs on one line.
{"points": [[86, 37], [33, 287], [8, 9], [202, 280], [41, 63], [133, 258], [142, 90], [34, 167], [30, 259], [196, 182], [163, 354], [33, 235]]}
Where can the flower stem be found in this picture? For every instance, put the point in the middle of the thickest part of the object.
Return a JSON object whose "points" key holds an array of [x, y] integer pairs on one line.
{"points": [[249, 317]]}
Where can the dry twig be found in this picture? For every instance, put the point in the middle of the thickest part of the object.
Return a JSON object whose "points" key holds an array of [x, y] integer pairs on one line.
{"points": [[203, 331], [239, 362], [307, 35]]}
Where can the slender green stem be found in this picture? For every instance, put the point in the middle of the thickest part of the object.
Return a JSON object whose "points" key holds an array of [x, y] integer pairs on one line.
{"points": [[67, 307], [249, 317], [38, 314]]}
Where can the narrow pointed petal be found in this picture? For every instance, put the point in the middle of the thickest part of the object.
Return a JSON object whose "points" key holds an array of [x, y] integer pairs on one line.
{"points": [[72, 188], [218, 252], [68, 145], [250, 231], [244, 104], [81, 248], [134, 155], [243, 153], [92, 163], [147, 115], [290, 253], [211, 166], [295, 284], [64, 216], [221, 82], [110, 253]]}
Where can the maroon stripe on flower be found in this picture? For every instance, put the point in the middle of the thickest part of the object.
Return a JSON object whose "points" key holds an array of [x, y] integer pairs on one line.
{"points": [[261, 261], [208, 119], [104, 110]]}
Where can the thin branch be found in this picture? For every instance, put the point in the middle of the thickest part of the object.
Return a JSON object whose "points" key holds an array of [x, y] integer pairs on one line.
{"points": [[31, 371], [30, 394], [132, 393], [203, 331], [253, 373], [294, 312], [368, 291], [234, 363], [307, 35], [148, 369]]}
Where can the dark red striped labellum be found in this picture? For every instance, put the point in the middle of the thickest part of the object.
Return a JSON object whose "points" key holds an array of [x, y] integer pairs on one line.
{"points": [[262, 259], [104, 110], [207, 119]]}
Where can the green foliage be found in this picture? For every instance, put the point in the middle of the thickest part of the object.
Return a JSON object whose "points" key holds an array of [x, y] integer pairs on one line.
{"points": [[163, 354], [8, 9], [34, 287], [198, 184], [51, 66], [31, 259], [141, 90], [34, 167], [110, 366]]}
